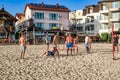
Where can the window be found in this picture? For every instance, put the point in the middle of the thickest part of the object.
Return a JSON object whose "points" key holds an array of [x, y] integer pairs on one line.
{"points": [[53, 25], [92, 27], [105, 8], [53, 16], [105, 26], [38, 15], [80, 28], [91, 10], [98, 18], [116, 25], [115, 5], [115, 15], [39, 25]]}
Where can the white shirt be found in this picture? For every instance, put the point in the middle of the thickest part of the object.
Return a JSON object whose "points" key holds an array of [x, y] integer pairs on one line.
{"points": [[86, 39]]}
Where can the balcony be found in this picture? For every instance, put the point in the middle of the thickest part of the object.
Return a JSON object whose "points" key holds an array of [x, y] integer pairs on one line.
{"points": [[114, 20], [104, 11], [104, 21], [114, 9]]}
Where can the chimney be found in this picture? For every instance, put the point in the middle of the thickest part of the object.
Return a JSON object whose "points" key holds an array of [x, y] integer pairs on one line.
{"points": [[2, 7], [57, 5], [42, 4]]}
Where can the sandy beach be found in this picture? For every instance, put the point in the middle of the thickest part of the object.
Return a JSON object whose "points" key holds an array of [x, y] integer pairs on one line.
{"points": [[98, 65]]}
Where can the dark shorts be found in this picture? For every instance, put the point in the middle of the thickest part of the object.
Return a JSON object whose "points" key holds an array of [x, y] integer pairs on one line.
{"points": [[50, 53], [69, 45], [47, 43], [115, 44]]}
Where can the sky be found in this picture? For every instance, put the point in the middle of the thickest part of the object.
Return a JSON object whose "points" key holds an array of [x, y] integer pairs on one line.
{"points": [[17, 6]]}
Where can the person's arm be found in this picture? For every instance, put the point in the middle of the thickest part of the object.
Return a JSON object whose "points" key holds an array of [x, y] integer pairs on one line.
{"points": [[57, 51], [54, 39], [66, 40], [19, 41]]}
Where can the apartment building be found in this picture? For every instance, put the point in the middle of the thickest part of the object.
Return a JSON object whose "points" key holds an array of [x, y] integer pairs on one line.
{"points": [[86, 20], [76, 20], [98, 18], [109, 15], [45, 17]]}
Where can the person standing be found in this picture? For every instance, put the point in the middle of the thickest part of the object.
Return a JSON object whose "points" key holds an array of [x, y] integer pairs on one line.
{"points": [[69, 43], [22, 45], [116, 42], [75, 43], [47, 41], [56, 40], [87, 43], [90, 42]]}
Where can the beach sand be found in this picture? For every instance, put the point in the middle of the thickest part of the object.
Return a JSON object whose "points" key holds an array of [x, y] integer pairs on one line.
{"points": [[98, 65]]}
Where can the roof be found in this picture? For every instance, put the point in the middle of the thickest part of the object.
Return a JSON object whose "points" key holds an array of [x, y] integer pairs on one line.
{"points": [[19, 15], [4, 14], [96, 8], [47, 7], [107, 1]]}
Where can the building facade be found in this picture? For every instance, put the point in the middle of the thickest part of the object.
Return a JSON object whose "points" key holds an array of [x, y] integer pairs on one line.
{"points": [[46, 17], [109, 15], [98, 19], [86, 20], [7, 25]]}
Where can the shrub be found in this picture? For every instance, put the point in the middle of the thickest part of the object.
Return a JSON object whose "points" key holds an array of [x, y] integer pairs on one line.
{"points": [[104, 36], [109, 38]]}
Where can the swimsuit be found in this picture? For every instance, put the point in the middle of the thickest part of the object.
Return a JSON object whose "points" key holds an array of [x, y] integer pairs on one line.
{"points": [[50, 53], [22, 47], [69, 45]]}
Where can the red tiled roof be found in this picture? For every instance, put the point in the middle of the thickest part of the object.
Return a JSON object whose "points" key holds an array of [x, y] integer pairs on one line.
{"points": [[46, 7], [19, 15]]}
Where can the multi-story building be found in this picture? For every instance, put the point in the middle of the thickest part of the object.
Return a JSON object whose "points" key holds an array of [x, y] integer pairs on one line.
{"points": [[38, 19], [46, 17], [76, 20], [98, 18], [7, 25], [109, 15], [86, 20]]}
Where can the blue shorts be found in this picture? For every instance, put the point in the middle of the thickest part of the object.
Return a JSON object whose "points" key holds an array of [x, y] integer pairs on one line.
{"points": [[50, 53], [69, 45]]}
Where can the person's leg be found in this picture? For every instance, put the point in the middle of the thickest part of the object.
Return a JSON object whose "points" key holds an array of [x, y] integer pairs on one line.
{"points": [[117, 47], [67, 50], [47, 47], [71, 51], [88, 49], [45, 53], [77, 49], [21, 54], [57, 51], [74, 48]]}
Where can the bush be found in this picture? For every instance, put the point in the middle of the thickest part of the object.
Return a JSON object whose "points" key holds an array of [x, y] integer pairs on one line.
{"points": [[104, 36], [109, 38]]}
